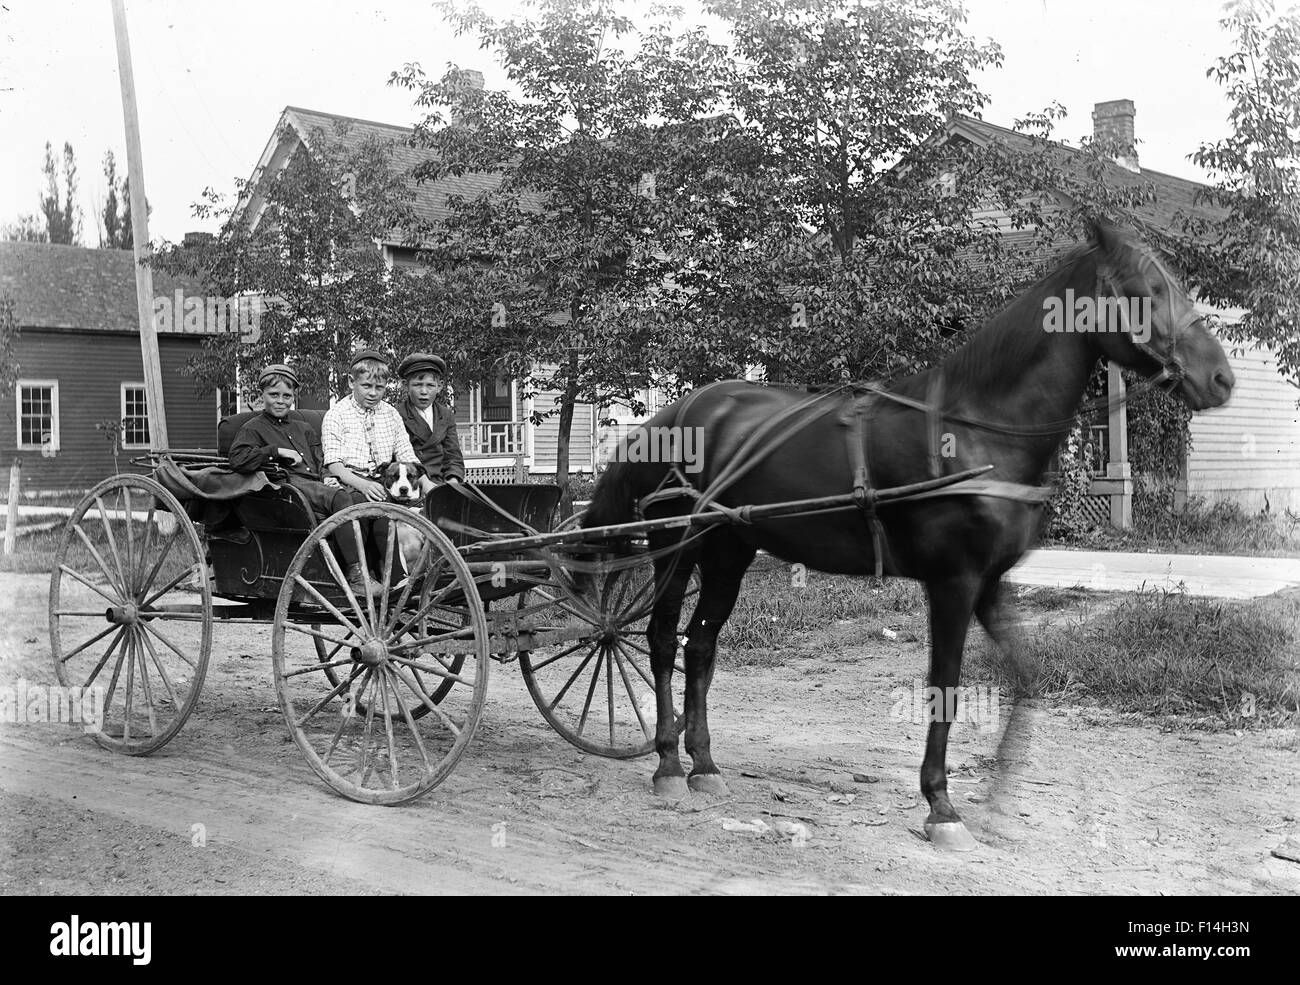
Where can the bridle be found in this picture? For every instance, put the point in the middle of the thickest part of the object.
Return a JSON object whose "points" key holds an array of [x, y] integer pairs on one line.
{"points": [[1108, 285]]}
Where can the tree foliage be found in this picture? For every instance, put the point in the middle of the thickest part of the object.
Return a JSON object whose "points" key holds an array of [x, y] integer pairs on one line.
{"points": [[1251, 258], [61, 211]]}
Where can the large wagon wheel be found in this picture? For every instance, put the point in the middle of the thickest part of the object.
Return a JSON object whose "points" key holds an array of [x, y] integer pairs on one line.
{"points": [[357, 723], [131, 613], [597, 689]]}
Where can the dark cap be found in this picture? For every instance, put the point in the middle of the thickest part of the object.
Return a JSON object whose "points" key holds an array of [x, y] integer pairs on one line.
{"points": [[278, 369], [361, 354], [421, 362]]}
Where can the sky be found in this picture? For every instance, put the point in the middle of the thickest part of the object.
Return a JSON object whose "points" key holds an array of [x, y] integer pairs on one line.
{"points": [[212, 79]]}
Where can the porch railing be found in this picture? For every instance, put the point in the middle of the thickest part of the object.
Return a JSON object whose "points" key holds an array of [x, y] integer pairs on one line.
{"points": [[490, 439]]}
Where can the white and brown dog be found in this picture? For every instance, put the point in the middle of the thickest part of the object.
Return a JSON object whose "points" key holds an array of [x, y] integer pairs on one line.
{"points": [[409, 485]]}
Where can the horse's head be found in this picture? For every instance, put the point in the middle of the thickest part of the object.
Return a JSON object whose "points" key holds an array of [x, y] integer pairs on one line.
{"points": [[1159, 331]]}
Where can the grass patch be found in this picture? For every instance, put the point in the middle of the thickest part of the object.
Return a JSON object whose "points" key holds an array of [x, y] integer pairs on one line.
{"points": [[1166, 654], [1199, 528], [780, 610]]}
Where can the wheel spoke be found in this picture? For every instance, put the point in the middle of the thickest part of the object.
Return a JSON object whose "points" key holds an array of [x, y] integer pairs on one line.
{"points": [[563, 653], [130, 685], [336, 570], [460, 633], [144, 545], [128, 573], [121, 630], [329, 606], [569, 683], [365, 571], [609, 682], [144, 685], [366, 765], [162, 671], [627, 684], [334, 693], [112, 542], [427, 701], [90, 642], [591, 693], [439, 671], [410, 723], [300, 628], [158, 633], [163, 554], [187, 573], [389, 545], [117, 669], [636, 666], [99, 559], [93, 587], [314, 668], [388, 724]]}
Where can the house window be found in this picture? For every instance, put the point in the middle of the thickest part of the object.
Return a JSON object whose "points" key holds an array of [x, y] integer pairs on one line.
{"points": [[135, 416], [37, 415]]}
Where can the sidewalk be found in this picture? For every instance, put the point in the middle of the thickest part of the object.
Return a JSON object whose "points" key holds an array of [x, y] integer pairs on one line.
{"points": [[1211, 575]]}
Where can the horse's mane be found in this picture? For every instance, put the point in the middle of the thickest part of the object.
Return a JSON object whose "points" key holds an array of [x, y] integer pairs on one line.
{"points": [[1002, 341]]}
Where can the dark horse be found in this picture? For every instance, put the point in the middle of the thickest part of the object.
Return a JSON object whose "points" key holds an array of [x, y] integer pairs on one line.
{"points": [[1003, 399]]}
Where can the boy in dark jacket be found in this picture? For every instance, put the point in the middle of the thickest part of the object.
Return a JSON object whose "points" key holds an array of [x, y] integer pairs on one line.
{"points": [[430, 423], [272, 436]]}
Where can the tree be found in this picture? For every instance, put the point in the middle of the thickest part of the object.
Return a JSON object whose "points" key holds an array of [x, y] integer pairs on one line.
{"points": [[28, 229], [9, 333], [117, 232], [558, 263], [311, 263], [62, 213], [1251, 257]]}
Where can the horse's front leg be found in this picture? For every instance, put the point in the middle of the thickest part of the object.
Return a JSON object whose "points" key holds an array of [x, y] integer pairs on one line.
{"points": [[951, 602], [671, 579]]}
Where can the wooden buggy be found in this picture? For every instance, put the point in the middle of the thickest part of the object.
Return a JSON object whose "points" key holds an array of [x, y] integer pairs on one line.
{"points": [[382, 695]]}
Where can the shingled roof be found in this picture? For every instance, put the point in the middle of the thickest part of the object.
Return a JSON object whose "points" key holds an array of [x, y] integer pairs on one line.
{"points": [[429, 201], [74, 287], [1174, 195]]}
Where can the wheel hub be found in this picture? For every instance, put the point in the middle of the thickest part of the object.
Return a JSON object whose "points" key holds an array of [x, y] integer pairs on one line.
{"points": [[371, 654], [122, 615]]}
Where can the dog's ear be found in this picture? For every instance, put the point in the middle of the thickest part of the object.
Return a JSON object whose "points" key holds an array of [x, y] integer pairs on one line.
{"points": [[390, 471], [417, 469]]}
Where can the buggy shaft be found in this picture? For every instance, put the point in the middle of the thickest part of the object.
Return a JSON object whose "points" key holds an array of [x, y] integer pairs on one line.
{"points": [[706, 518]]}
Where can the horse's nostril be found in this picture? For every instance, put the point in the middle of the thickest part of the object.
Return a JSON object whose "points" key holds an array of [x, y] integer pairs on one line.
{"points": [[1225, 379]]}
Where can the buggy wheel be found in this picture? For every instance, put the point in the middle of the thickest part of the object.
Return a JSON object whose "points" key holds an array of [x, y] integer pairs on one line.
{"points": [[131, 614], [597, 688], [423, 632]]}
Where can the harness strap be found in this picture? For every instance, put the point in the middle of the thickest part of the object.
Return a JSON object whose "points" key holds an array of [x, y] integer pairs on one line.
{"points": [[863, 493], [934, 421]]}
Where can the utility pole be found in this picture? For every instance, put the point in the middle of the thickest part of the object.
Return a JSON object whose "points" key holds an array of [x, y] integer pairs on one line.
{"points": [[153, 381]]}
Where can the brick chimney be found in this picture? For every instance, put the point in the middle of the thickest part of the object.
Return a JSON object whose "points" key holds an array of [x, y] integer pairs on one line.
{"points": [[1114, 121], [472, 77], [196, 239]]}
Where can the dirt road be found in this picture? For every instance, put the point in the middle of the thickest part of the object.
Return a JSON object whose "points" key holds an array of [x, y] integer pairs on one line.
{"points": [[1102, 804]]}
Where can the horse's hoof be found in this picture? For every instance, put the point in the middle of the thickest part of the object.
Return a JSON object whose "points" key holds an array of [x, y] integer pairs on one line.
{"points": [[951, 836], [671, 787], [711, 783]]}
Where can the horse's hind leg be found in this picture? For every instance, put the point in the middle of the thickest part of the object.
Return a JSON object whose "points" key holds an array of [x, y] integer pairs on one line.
{"points": [[951, 602], [722, 569], [672, 575]]}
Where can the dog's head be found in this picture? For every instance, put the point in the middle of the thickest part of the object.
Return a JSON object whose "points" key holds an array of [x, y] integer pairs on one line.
{"points": [[402, 480]]}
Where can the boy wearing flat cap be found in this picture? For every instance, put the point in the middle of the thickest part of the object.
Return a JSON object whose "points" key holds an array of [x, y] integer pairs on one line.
{"points": [[361, 433], [292, 443], [430, 423]]}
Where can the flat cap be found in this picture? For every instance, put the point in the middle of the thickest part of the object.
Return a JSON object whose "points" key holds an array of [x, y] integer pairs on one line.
{"points": [[421, 362], [278, 369], [361, 354]]}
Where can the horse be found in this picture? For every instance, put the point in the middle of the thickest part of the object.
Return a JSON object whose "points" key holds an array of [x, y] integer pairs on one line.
{"points": [[1003, 399]]}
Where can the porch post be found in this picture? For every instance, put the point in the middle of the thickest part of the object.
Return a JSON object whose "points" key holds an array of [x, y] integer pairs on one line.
{"points": [[1119, 474]]}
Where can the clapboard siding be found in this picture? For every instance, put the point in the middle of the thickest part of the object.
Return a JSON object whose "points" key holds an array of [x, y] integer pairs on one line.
{"points": [[1249, 450], [90, 368], [546, 436]]}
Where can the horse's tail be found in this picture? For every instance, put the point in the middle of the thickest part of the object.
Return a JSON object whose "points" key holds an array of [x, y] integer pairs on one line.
{"points": [[614, 499]]}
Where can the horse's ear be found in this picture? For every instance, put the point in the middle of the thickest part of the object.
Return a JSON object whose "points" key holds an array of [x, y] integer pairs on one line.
{"points": [[1104, 234]]}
